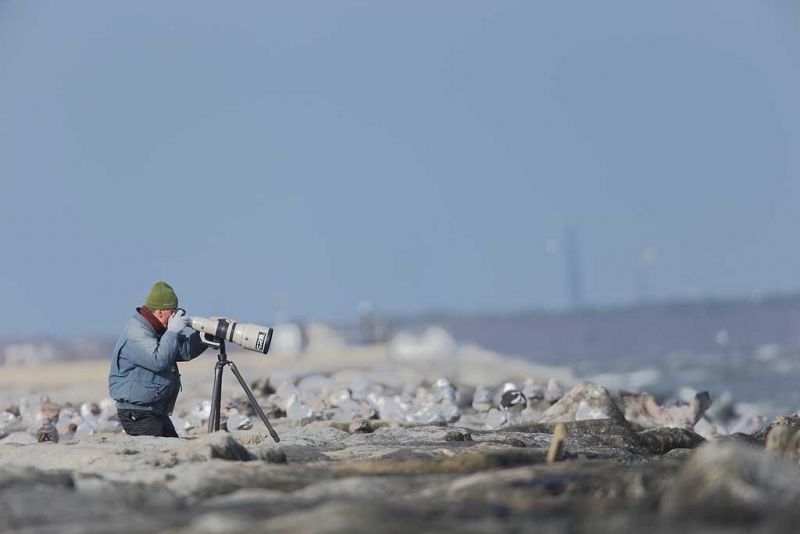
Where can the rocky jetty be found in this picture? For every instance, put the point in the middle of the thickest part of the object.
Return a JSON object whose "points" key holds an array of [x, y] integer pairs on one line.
{"points": [[389, 449]]}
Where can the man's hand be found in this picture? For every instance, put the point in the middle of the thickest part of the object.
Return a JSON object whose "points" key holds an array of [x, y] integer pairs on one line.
{"points": [[177, 322]]}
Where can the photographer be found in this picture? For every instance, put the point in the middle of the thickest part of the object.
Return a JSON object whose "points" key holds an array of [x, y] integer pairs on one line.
{"points": [[144, 378]]}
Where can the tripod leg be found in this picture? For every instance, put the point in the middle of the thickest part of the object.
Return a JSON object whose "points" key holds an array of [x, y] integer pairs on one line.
{"points": [[254, 403], [216, 397]]}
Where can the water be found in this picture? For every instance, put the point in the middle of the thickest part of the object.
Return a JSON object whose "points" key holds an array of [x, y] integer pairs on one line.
{"points": [[748, 349]]}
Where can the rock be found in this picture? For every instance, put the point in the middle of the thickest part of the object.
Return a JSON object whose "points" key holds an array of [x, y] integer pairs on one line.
{"points": [[269, 454], [642, 409], [476, 458], [456, 435], [679, 454], [586, 394], [195, 482], [359, 425], [51, 502], [262, 387], [19, 476], [610, 438], [18, 438], [791, 421], [728, 484], [779, 439], [662, 440], [217, 445]]}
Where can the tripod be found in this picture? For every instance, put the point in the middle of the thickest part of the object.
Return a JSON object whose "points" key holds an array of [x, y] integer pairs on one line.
{"points": [[216, 394]]}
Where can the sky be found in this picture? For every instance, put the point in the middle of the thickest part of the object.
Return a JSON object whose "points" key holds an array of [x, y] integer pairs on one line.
{"points": [[309, 156]]}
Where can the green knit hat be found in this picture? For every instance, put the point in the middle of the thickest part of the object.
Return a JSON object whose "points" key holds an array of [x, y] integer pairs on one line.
{"points": [[162, 297]]}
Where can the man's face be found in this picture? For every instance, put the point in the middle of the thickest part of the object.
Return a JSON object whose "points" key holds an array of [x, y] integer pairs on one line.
{"points": [[163, 316]]}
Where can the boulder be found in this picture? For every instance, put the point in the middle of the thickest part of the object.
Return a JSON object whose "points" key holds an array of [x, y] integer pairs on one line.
{"points": [[218, 445], [724, 483], [584, 395]]}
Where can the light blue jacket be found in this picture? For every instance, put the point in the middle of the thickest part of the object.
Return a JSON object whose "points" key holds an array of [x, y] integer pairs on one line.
{"points": [[143, 373]]}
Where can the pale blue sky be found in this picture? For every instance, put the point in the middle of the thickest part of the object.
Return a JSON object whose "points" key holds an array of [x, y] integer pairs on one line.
{"points": [[415, 154]]}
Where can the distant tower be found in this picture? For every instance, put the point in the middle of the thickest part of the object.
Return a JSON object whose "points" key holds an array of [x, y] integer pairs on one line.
{"points": [[572, 265]]}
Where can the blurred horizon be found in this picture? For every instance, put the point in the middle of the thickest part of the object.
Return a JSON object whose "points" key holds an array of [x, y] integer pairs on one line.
{"points": [[707, 306], [283, 160]]}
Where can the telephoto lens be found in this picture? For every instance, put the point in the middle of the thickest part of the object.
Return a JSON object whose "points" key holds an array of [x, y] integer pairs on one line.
{"points": [[249, 336]]}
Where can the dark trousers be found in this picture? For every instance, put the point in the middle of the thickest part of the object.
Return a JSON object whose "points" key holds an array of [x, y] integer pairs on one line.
{"points": [[144, 423]]}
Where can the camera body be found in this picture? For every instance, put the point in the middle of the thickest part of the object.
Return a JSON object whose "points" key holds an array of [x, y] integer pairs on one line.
{"points": [[249, 336]]}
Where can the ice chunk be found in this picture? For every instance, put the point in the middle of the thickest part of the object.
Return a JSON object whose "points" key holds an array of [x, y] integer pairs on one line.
{"points": [[495, 419], [360, 388], [554, 391], [338, 397], [587, 412], [7, 418], [238, 421], [450, 412], [390, 409], [84, 429], [298, 411], [428, 415], [482, 400], [443, 390]]}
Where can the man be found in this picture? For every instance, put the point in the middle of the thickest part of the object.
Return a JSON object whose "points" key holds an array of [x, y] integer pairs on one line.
{"points": [[144, 378]]}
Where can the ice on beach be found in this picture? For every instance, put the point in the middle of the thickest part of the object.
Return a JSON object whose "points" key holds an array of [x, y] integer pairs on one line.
{"points": [[495, 419], [391, 409], [286, 388], [450, 412], [443, 390], [360, 388], [84, 429], [750, 418], [202, 410], [298, 411], [180, 426], [554, 391], [346, 411], [708, 430], [28, 408], [338, 397], [107, 405], [7, 417], [482, 400], [532, 390], [238, 421], [588, 412], [89, 409], [429, 414]]}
